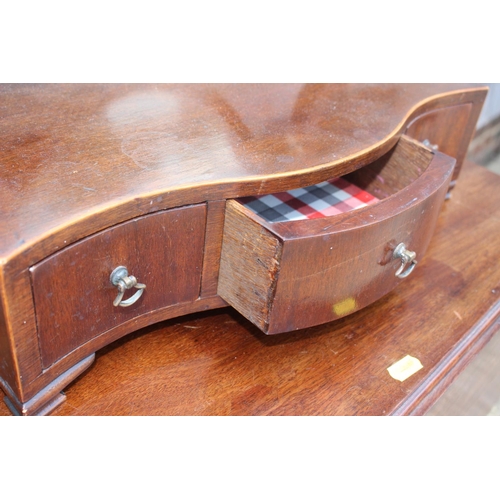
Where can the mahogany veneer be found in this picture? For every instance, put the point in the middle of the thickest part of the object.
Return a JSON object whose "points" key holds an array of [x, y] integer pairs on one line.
{"points": [[100, 176], [169, 241]]}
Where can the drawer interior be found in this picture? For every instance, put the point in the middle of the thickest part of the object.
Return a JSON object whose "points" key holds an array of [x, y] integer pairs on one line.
{"points": [[327, 198], [386, 176]]}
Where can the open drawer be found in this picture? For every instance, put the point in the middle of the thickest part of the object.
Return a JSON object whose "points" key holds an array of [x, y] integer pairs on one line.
{"points": [[288, 275]]}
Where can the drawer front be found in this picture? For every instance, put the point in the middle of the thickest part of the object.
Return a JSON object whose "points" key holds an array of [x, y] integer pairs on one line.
{"points": [[449, 130], [72, 289], [291, 275]]}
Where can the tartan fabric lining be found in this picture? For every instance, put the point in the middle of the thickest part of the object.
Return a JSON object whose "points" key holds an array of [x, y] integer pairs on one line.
{"points": [[331, 197]]}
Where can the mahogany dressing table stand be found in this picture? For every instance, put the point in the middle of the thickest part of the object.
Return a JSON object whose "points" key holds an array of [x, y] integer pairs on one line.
{"points": [[121, 208]]}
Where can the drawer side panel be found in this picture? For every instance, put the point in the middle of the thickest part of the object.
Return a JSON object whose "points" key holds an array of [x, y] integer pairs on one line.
{"points": [[249, 266]]}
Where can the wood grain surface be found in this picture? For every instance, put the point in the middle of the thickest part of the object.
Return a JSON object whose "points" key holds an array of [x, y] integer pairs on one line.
{"points": [[72, 289], [218, 363], [79, 159], [433, 126], [114, 152]]}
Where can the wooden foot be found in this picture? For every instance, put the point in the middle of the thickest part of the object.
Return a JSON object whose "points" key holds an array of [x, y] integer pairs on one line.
{"points": [[49, 398]]}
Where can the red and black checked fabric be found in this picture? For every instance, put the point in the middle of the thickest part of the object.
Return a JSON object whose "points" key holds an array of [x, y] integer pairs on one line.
{"points": [[327, 198]]}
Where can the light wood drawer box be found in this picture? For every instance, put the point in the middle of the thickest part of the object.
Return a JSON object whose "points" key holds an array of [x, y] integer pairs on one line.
{"points": [[72, 289], [286, 276]]}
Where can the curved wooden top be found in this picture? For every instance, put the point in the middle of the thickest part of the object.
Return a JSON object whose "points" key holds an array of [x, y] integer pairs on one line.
{"points": [[77, 158]]}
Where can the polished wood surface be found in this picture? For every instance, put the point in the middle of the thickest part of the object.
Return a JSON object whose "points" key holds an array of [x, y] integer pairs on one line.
{"points": [[72, 289], [218, 363], [114, 152], [78, 161], [433, 125]]}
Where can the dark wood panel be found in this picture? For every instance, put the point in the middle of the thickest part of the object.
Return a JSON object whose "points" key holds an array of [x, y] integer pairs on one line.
{"points": [[394, 171], [19, 345], [449, 129], [8, 368], [72, 289]]}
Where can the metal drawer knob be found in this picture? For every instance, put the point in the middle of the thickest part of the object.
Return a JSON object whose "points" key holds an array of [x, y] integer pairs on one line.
{"points": [[120, 278], [428, 143], [407, 257]]}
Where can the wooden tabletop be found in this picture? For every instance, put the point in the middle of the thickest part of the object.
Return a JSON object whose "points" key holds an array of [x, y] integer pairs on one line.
{"points": [[217, 363]]}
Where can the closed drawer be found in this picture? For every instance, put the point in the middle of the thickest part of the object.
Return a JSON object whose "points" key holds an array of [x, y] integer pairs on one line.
{"points": [[72, 289], [285, 276]]}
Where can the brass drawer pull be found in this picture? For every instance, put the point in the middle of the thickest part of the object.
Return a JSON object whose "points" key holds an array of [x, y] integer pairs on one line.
{"points": [[120, 278], [407, 257]]}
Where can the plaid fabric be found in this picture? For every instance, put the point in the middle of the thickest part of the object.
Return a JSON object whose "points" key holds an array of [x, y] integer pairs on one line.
{"points": [[327, 198]]}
